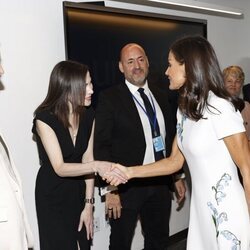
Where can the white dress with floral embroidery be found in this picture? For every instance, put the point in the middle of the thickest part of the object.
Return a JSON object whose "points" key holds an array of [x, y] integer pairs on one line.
{"points": [[219, 218]]}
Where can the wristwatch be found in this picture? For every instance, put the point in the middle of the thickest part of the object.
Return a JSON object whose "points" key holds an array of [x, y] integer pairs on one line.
{"points": [[91, 200]]}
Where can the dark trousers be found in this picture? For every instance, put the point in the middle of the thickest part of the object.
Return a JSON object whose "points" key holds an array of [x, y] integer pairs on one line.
{"points": [[153, 206]]}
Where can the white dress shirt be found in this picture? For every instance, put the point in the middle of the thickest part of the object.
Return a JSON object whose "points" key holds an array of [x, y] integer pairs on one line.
{"points": [[149, 153]]}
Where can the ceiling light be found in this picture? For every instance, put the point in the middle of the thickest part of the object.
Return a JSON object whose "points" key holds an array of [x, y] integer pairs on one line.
{"points": [[202, 6], [188, 5]]}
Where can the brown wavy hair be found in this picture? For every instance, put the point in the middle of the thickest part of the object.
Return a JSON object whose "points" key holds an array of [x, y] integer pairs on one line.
{"points": [[203, 74], [67, 83]]}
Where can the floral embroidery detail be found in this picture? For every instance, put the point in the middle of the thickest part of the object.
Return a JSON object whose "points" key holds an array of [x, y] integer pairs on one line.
{"points": [[219, 218], [230, 236], [219, 188], [179, 127]]}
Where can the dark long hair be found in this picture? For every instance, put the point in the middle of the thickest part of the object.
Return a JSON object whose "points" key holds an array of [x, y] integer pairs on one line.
{"points": [[203, 74], [67, 83]]}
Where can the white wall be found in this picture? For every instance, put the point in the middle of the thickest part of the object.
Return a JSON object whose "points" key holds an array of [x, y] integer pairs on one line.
{"points": [[32, 42]]}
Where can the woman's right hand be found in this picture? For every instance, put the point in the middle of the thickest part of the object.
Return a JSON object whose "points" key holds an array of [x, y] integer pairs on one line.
{"points": [[116, 175], [112, 173]]}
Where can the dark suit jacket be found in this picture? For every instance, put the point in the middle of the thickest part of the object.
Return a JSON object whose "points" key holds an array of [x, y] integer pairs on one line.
{"points": [[119, 133]]}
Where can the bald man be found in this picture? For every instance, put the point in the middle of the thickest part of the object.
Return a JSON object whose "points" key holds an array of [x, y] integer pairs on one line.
{"points": [[129, 133]]}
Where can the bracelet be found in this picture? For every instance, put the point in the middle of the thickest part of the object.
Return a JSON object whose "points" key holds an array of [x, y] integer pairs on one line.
{"points": [[91, 200]]}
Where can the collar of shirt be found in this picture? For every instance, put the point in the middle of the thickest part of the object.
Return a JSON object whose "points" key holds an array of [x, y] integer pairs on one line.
{"points": [[133, 89]]}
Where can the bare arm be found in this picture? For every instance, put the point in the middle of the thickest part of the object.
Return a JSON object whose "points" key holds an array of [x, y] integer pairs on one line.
{"points": [[88, 157], [165, 166], [86, 217], [53, 150], [239, 150]]}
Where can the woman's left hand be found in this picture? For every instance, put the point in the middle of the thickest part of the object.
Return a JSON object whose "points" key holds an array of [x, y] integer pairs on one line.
{"points": [[86, 218], [180, 190]]}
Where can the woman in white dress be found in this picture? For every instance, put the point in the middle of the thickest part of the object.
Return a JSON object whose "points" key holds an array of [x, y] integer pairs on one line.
{"points": [[211, 137]]}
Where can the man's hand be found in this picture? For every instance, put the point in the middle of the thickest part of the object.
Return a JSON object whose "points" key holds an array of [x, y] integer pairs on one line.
{"points": [[113, 205]]}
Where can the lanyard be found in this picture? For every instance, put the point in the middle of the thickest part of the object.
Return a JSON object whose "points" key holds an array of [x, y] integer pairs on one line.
{"points": [[152, 122]]}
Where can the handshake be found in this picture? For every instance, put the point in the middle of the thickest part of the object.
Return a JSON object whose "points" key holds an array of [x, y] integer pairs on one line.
{"points": [[113, 173]]}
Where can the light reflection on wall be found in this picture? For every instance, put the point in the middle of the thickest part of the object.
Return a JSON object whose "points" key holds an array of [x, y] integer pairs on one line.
{"points": [[122, 20]]}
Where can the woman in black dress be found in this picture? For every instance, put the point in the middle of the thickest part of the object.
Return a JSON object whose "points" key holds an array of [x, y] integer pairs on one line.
{"points": [[63, 126]]}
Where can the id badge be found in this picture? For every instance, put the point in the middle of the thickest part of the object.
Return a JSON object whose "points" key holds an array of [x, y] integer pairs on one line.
{"points": [[158, 144]]}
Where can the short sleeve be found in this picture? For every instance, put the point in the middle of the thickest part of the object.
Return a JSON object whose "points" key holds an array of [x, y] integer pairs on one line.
{"points": [[46, 117], [225, 119]]}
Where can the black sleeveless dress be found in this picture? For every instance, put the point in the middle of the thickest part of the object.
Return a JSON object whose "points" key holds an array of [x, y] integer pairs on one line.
{"points": [[60, 200]]}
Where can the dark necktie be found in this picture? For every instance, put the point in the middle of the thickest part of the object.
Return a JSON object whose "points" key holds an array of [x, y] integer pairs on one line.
{"points": [[151, 116]]}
